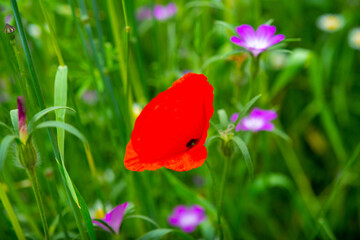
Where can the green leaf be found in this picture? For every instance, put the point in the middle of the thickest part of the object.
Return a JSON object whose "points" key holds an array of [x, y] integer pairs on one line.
{"points": [[243, 148], [220, 57], [6, 126], [199, 4], [65, 126], [281, 134], [143, 218], [226, 25], [15, 120], [223, 118], [60, 99], [68, 182], [210, 139], [245, 109], [159, 233], [296, 62], [5, 144], [86, 216], [42, 113], [105, 224]]}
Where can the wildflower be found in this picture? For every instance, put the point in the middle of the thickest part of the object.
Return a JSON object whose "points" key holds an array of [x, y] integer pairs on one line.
{"points": [[22, 119], [160, 12], [330, 22], [112, 218], [144, 13], [259, 41], [234, 117], [258, 120], [187, 218], [171, 129], [354, 38], [165, 12]]}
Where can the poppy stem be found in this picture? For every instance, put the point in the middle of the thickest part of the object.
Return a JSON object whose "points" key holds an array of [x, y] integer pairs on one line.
{"points": [[221, 195]]}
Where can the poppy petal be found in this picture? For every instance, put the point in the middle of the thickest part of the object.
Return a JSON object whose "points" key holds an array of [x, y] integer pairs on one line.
{"points": [[172, 126]]}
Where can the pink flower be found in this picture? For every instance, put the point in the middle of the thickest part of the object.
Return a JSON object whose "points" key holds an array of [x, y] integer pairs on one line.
{"points": [[258, 120], [160, 12], [259, 41], [113, 218], [22, 118], [165, 12], [187, 218]]}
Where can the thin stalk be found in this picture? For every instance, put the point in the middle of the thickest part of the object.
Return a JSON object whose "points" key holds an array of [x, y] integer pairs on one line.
{"points": [[41, 103], [52, 34], [10, 212], [254, 70], [118, 43], [335, 191], [35, 186], [221, 196]]}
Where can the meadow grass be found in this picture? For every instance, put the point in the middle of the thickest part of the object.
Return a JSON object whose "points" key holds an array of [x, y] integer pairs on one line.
{"points": [[86, 67]]}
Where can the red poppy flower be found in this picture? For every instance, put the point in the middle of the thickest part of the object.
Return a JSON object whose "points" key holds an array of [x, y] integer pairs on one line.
{"points": [[171, 130]]}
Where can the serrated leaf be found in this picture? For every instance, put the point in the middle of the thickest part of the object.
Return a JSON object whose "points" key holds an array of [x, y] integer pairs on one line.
{"points": [[245, 152]]}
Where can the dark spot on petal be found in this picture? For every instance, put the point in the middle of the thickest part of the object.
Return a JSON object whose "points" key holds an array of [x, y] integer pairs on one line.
{"points": [[192, 143]]}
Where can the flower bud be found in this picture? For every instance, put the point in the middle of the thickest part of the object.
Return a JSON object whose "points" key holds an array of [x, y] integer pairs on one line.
{"points": [[22, 119]]}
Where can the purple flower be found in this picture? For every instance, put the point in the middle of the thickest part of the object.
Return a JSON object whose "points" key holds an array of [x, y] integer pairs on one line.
{"points": [[258, 120], [187, 218], [259, 41], [22, 118], [164, 12], [234, 117], [113, 218], [144, 13]]}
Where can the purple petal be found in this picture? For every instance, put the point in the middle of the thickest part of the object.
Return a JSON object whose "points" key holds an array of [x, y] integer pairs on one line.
{"points": [[253, 124], [164, 12], [238, 127], [238, 41], [265, 32], [256, 51], [267, 127], [277, 38], [21, 115], [188, 229], [115, 216], [267, 115], [101, 225], [246, 32], [234, 117]]}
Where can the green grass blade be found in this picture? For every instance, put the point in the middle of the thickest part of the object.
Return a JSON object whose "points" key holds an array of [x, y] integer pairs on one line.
{"points": [[2, 124], [159, 233], [245, 109], [86, 215], [5, 144], [244, 150], [60, 99], [42, 113], [143, 218], [65, 126], [11, 214]]}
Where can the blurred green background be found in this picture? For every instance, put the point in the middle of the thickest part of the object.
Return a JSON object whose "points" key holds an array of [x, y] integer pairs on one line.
{"points": [[304, 187]]}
